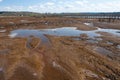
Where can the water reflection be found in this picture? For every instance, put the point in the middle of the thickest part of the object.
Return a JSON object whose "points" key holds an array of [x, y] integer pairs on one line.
{"points": [[64, 31]]}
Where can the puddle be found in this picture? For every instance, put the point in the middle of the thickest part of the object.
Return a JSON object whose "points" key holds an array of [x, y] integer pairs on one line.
{"points": [[6, 51], [69, 31], [103, 51], [64, 31], [77, 39], [98, 39], [89, 24], [118, 46], [35, 74], [118, 32], [28, 33], [2, 31], [56, 65], [110, 43], [11, 23], [13, 35], [92, 41], [111, 31], [90, 73], [1, 27], [1, 69], [24, 21]]}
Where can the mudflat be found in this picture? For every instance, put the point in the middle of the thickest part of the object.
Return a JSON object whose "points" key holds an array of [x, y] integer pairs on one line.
{"points": [[59, 48]]}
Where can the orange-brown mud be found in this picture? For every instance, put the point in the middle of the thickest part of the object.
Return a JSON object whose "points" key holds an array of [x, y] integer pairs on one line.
{"points": [[104, 24], [64, 59]]}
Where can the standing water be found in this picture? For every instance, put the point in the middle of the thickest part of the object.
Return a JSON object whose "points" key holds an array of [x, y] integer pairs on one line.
{"points": [[64, 31]]}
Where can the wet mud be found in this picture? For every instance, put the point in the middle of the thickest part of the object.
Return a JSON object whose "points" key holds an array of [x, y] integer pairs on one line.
{"points": [[58, 48]]}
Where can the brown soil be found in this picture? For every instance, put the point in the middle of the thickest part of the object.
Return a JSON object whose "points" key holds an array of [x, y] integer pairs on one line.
{"points": [[64, 59], [36, 23], [108, 25], [104, 24]]}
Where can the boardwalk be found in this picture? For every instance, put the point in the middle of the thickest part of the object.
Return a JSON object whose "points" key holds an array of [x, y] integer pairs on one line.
{"points": [[107, 17]]}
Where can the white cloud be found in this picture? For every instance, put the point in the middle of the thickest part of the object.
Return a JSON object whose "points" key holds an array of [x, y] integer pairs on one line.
{"points": [[77, 6], [49, 3], [69, 6], [12, 8], [1, 0]]}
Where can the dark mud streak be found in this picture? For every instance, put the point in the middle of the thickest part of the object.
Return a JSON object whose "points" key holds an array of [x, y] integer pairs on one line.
{"points": [[28, 43], [6, 51], [2, 75]]}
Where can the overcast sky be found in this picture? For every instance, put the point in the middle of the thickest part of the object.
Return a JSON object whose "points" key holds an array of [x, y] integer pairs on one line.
{"points": [[58, 6]]}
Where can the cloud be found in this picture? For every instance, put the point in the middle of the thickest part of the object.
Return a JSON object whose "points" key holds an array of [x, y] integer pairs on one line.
{"points": [[12, 8], [76, 6], [50, 3], [1, 0], [69, 6], [59, 6]]}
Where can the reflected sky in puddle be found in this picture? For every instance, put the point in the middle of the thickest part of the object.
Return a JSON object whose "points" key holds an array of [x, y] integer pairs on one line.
{"points": [[92, 41], [27, 33], [110, 43], [2, 31], [103, 51], [64, 31], [112, 31], [89, 24], [68, 31], [118, 46]]}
